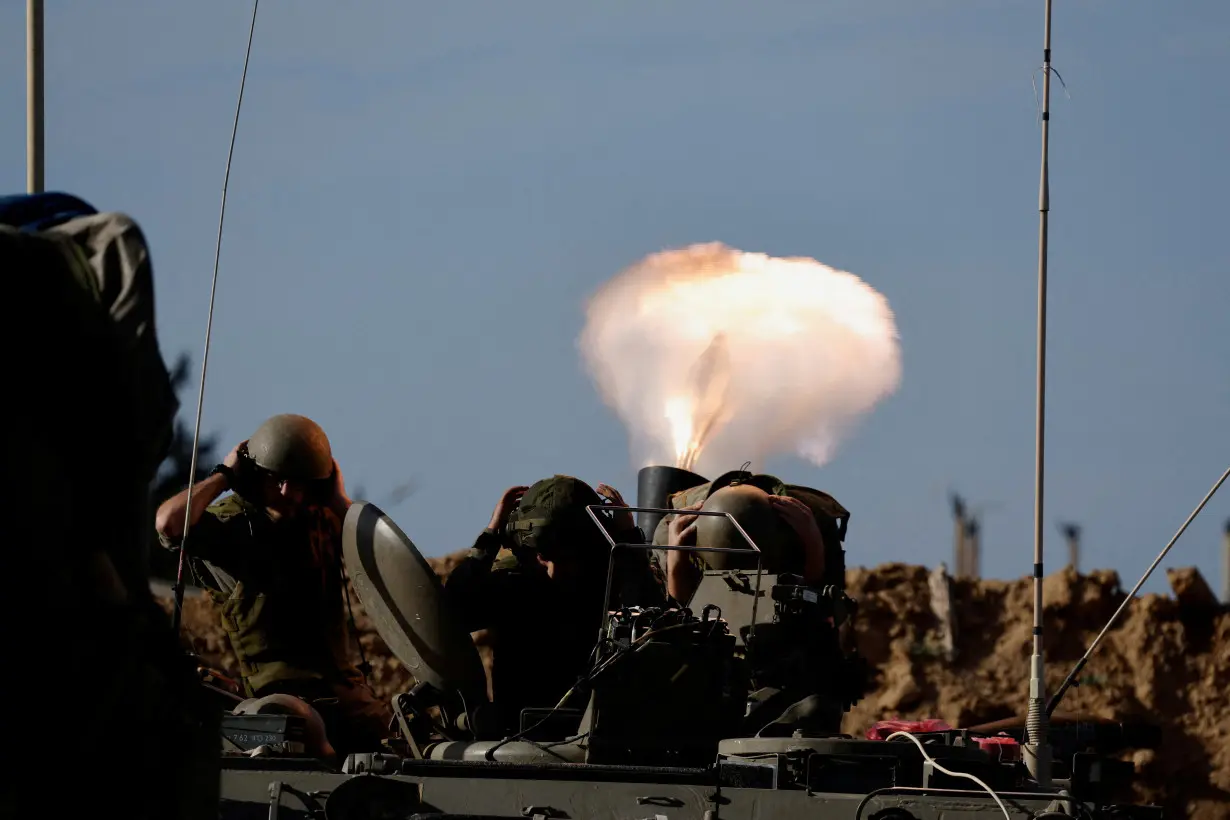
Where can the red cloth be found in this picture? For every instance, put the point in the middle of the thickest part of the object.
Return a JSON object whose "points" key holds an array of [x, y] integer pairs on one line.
{"points": [[1001, 748], [884, 728]]}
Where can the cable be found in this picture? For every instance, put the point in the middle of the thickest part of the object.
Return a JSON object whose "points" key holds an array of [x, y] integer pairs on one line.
{"points": [[601, 666], [490, 753], [950, 773], [209, 324]]}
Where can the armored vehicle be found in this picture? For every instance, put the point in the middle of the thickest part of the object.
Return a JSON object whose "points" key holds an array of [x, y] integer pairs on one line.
{"points": [[729, 709]]}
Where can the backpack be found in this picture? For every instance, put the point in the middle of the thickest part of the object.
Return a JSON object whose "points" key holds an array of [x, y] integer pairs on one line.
{"points": [[32, 213], [107, 257]]}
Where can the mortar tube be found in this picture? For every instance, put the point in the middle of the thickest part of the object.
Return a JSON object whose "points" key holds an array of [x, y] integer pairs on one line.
{"points": [[654, 487]]}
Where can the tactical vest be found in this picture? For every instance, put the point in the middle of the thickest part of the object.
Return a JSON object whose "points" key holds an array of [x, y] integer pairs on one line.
{"points": [[253, 605], [831, 517]]}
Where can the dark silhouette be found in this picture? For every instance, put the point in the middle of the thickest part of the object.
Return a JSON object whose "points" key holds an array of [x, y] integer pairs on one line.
{"points": [[173, 472], [1072, 532]]}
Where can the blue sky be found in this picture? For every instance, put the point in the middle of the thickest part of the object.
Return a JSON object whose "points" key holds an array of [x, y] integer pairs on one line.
{"points": [[423, 195]]}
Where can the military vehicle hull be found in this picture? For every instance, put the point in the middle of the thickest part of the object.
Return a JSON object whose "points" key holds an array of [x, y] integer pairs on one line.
{"points": [[464, 789], [717, 751]]}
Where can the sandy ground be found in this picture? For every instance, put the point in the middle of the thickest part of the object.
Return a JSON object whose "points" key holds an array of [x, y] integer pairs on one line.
{"points": [[1168, 662]]}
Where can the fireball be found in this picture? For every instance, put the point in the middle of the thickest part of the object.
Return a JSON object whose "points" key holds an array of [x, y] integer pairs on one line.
{"points": [[714, 357]]}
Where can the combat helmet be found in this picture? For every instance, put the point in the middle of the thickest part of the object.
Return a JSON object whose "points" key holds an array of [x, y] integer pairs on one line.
{"points": [[292, 446], [552, 516], [749, 505]]}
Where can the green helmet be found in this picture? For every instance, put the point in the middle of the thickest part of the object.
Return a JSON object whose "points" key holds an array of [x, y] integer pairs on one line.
{"points": [[749, 505], [292, 447], [552, 516]]}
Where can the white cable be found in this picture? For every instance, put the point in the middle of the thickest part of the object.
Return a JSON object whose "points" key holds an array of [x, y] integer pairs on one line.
{"points": [[967, 776]]}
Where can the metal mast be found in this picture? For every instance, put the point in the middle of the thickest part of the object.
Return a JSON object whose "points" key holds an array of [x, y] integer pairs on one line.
{"points": [[1037, 748], [34, 96]]}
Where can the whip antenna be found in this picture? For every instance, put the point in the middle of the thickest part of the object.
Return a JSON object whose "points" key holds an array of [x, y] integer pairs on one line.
{"points": [[1037, 749], [1076, 670], [209, 323]]}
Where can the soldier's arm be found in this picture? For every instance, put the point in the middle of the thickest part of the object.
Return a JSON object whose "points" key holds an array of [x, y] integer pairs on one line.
{"points": [[630, 559], [470, 586], [684, 568], [801, 519], [215, 537], [683, 573], [169, 520]]}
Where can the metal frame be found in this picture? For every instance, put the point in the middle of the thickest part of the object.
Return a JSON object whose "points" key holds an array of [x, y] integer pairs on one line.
{"points": [[610, 569], [1014, 797]]}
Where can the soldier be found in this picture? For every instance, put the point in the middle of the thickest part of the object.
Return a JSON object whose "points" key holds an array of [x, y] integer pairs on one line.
{"points": [[271, 553], [535, 579], [802, 679], [89, 415], [761, 505]]}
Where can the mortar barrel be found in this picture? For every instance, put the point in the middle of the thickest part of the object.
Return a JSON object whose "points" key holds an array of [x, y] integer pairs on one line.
{"points": [[654, 487]]}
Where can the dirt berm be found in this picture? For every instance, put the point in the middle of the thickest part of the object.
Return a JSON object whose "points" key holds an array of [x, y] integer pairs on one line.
{"points": [[1167, 662]]}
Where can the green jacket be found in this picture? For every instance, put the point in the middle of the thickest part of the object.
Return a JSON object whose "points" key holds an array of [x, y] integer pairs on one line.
{"points": [[279, 587]]}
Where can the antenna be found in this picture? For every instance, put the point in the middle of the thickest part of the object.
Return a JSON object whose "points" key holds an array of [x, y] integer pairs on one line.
{"points": [[34, 96], [1070, 680], [1037, 750], [209, 324]]}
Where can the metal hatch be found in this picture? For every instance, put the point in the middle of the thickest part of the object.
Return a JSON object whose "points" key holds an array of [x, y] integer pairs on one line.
{"points": [[405, 600]]}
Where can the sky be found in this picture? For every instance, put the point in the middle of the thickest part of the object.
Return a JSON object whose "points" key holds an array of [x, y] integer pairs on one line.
{"points": [[423, 196]]}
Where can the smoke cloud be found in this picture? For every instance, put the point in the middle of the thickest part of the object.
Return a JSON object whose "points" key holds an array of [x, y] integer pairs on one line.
{"points": [[713, 357]]}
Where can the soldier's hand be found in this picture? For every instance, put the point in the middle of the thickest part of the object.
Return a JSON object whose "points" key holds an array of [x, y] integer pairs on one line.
{"points": [[799, 516], [508, 502], [623, 519], [232, 458], [681, 531], [681, 566]]}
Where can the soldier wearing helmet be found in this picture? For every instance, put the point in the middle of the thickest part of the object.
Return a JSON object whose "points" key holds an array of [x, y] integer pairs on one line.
{"points": [[535, 580], [793, 536], [271, 554]]}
